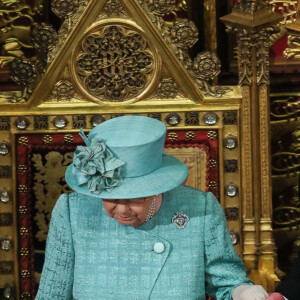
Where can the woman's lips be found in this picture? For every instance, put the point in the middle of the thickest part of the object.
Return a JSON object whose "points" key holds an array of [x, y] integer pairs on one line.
{"points": [[125, 218]]}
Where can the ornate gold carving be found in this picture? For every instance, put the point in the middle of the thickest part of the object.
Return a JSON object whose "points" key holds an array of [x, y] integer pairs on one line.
{"points": [[285, 162], [19, 33], [155, 116], [230, 118], [64, 8], [43, 37], [41, 122], [285, 109], [167, 88], [6, 219], [230, 165], [206, 66], [286, 216], [192, 118], [264, 151], [115, 63], [180, 9], [262, 54], [295, 146], [79, 121], [23, 71], [65, 29], [184, 34], [161, 7], [23, 140], [4, 123], [181, 5], [16, 19], [5, 171], [179, 37], [295, 201], [293, 49], [6, 267], [47, 187], [112, 8], [287, 8], [251, 6], [249, 38], [11, 49], [232, 213], [246, 154], [63, 90], [165, 30]]}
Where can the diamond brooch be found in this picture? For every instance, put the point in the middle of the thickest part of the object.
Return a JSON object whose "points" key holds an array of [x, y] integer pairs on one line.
{"points": [[180, 220]]}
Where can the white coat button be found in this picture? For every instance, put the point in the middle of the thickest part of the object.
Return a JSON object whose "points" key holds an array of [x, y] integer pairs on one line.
{"points": [[159, 248]]}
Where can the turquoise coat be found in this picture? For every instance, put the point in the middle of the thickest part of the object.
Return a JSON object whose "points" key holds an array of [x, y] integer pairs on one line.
{"points": [[90, 256]]}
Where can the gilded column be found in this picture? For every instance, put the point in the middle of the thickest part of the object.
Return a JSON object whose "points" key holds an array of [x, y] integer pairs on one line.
{"points": [[252, 21]]}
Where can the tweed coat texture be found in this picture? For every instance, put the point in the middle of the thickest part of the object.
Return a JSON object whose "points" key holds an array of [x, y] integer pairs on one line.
{"points": [[91, 256]]}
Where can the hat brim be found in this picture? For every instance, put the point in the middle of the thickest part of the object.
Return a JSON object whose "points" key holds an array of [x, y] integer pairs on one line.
{"points": [[171, 173]]}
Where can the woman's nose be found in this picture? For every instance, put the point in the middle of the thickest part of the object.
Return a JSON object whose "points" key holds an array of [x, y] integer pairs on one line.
{"points": [[122, 208]]}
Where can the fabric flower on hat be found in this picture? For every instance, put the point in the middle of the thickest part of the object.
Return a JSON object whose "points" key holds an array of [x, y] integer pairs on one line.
{"points": [[96, 166]]}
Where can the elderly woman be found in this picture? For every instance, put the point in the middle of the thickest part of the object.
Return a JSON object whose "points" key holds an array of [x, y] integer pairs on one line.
{"points": [[132, 231]]}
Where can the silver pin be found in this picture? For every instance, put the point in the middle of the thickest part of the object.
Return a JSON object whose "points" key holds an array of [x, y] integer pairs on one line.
{"points": [[180, 220]]}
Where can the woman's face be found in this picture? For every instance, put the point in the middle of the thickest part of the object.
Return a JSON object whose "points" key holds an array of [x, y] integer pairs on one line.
{"points": [[131, 212]]}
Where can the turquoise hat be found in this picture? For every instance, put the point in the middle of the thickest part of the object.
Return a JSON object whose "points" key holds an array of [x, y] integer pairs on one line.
{"points": [[123, 158]]}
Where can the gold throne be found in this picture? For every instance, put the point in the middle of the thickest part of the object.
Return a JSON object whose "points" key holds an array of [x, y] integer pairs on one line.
{"points": [[116, 57]]}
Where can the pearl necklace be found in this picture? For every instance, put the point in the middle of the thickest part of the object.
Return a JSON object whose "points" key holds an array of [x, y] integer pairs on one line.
{"points": [[151, 211]]}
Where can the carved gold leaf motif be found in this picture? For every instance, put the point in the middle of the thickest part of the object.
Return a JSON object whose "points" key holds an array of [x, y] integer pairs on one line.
{"points": [[206, 66], [293, 49], [63, 90], [115, 63], [184, 34], [161, 7], [287, 8], [167, 88], [112, 8], [64, 8]]}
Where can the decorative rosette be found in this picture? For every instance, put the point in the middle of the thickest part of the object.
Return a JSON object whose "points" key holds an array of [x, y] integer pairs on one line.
{"points": [[96, 166]]}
